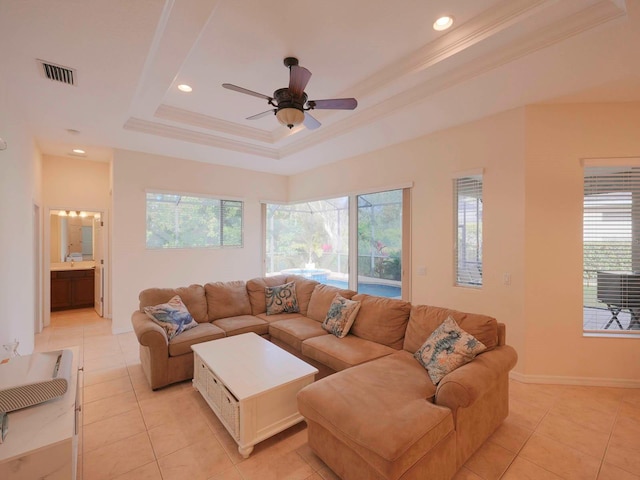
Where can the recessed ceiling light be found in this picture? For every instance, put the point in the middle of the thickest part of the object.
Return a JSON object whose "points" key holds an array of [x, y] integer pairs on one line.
{"points": [[79, 151], [185, 88], [443, 23]]}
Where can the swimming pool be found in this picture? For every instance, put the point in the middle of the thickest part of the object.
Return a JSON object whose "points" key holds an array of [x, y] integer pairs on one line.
{"points": [[317, 274], [380, 290]]}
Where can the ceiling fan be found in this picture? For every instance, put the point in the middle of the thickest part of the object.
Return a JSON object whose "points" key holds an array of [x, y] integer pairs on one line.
{"points": [[291, 104]]}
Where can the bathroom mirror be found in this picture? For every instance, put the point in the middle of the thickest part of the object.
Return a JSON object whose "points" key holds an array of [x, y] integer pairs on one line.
{"points": [[72, 235]]}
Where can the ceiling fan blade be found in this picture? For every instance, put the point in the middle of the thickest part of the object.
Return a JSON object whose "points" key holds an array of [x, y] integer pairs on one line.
{"points": [[310, 122], [263, 114], [298, 79], [334, 104], [235, 88]]}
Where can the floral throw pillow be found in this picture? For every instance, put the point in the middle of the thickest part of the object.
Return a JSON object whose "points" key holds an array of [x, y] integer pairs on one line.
{"points": [[173, 316], [282, 299], [341, 315], [446, 349]]}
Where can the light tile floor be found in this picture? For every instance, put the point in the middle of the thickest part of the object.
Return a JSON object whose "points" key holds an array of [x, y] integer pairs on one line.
{"points": [[130, 432]]}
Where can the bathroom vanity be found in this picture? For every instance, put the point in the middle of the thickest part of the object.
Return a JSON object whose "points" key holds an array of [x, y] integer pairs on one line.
{"points": [[72, 285]]}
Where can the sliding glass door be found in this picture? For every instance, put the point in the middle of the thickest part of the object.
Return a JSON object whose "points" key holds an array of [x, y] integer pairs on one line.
{"points": [[380, 239], [318, 239]]}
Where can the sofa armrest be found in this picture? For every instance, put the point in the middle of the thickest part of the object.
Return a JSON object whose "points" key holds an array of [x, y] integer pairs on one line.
{"points": [[149, 333], [463, 386]]}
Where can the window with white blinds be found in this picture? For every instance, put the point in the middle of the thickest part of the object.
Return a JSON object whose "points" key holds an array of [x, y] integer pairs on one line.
{"points": [[611, 248], [468, 221], [185, 221]]}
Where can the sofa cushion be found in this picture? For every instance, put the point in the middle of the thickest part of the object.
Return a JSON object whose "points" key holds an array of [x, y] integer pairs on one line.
{"points": [[256, 290], [304, 290], [340, 353], [424, 319], [321, 299], [281, 299], [203, 332], [446, 349], [227, 299], [242, 324], [381, 320], [192, 296], [379, 413], [294, 331], [172, 316], [278, 316], [340, 316]]}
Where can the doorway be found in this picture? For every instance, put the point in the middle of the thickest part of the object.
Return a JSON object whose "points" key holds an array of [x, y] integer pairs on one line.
{"points": [[75, 260], [37, 272]]}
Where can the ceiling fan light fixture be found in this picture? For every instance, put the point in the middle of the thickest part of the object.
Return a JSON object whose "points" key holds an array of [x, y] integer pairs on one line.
{"points": [[290, 117]]}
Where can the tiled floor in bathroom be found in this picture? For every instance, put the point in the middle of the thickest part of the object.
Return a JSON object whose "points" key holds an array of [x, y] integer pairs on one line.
{"points": [[131, 432]]}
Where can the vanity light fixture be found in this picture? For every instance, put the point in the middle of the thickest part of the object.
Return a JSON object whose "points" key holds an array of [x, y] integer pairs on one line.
{"points": [[443, 23], [79, 151], [183, 87], [63, 213]]}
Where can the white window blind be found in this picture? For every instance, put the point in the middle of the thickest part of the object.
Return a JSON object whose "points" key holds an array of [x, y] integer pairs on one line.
{"points": [[611, 249], [183, 221], [468, 221]]}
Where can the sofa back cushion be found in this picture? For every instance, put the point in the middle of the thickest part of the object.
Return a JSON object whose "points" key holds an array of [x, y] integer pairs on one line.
{"points": [[227, 299], [256, 291], [304, 290], [192, 296], [424, 319], [381, 320], [321, 299]]}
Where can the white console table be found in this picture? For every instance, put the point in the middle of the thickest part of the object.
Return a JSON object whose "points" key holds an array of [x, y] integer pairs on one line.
{"points": [[42, 441]]}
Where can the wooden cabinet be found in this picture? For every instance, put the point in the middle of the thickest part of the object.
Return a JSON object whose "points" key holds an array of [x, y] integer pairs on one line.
{"points": [[72, 289]]}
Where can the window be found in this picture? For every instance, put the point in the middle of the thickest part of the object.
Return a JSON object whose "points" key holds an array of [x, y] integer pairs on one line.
{"points": [[309, 239], [468, 248], [317, 240], [182, 221], [611, 249]]}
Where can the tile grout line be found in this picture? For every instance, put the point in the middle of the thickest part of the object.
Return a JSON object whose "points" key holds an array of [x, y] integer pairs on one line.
{"points": [[524, 444], [606, 450]]}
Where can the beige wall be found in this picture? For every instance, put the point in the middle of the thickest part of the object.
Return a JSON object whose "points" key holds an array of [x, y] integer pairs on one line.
{"points": [[136, 268], [495, 144], [76, 184], [558, 136], [73, 184], [532, 226], [19, 192]]}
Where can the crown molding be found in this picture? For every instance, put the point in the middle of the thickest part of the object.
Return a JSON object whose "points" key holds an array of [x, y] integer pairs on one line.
{"points": [[488, 23], [485, 25], [593, 16], [168, 131], [180, 115]]}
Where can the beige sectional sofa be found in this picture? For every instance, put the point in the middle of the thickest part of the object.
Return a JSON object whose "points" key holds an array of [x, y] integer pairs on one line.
{"points": [[380, 416]]}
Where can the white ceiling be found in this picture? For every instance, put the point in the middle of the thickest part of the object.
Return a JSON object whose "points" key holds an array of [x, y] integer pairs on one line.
{"points": [[130, 55]]}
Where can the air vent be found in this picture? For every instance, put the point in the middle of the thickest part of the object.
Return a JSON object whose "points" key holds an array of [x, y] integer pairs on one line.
{"points": [[58, 73]]}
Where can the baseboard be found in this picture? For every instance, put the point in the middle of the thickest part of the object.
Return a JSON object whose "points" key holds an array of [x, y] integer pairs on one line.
{"points": [[118, 331], [583, 381]]}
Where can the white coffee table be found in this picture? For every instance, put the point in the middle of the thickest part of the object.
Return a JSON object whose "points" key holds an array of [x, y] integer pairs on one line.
{"points": [[251, 385]]}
